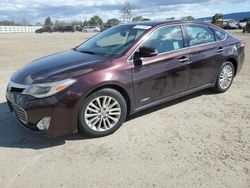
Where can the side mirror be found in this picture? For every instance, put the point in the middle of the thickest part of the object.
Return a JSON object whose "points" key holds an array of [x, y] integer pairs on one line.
{"points": [[146, 52]]}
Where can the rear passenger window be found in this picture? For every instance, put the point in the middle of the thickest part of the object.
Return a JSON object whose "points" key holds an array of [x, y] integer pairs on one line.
{"points": [[199, 34], [166, 39], [219, 35]]}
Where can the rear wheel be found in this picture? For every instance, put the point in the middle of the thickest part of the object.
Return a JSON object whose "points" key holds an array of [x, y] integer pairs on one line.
{"points": [[102, 113], [225, 77]]}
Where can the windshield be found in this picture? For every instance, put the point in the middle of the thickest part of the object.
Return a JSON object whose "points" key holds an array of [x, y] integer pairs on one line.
{"points": [[114, 41]]}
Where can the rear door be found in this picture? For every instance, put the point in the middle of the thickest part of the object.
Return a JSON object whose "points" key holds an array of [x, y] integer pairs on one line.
{"points": [[205, 55], [165, 74]]}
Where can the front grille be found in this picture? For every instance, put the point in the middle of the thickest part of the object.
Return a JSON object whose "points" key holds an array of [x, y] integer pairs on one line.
{"points": [[16, 90], [20, 113]]}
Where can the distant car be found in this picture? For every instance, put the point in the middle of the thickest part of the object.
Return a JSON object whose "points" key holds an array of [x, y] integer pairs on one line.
{"points": [[64, 29], [91, 29], [242, 25], [92, 88], [79, 28], [106, 27], [59, 29], [69, 29], [44, 29], [231, 26], [248, 27]]}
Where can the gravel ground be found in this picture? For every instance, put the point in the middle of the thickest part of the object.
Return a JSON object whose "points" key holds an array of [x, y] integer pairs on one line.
{"points": [[202, 140]]}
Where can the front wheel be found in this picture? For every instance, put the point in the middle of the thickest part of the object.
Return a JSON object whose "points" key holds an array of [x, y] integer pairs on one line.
{"points": [[225, 77], [102, 113]]}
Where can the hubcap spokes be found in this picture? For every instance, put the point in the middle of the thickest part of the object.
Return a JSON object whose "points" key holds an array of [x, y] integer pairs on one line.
{"points": [[102, 113], [226, 77]]}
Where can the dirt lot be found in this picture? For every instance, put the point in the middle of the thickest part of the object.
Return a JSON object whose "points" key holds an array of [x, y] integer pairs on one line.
{"points": [[202, 140]]}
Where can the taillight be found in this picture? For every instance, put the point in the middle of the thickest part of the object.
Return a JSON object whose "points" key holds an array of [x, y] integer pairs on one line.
{"points": [[242, 43]]}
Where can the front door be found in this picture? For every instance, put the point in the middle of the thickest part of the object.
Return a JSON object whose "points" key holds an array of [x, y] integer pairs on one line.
{"points": [[165, 74]]}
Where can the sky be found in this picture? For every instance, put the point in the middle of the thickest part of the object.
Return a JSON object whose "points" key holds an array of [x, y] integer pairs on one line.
{"points": [[34, 11]]}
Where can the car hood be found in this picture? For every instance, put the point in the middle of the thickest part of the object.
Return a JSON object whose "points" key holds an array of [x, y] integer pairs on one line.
{"points": [[59, 66]]}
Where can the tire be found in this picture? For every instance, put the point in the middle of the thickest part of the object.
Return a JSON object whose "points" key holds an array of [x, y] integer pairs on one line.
{"points": [[107, 118], [227, 69]]}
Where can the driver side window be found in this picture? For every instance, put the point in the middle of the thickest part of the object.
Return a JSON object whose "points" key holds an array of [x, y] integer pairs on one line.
{"points": [[165, 39]]}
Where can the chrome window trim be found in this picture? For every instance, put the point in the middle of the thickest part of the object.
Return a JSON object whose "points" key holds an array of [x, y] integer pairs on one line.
{"points": [[185, 48]]}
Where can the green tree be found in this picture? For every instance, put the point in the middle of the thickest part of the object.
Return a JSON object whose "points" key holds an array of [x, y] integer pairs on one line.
{"points": [[170, 19], [95, 21], [245, 19], [216, 17], [60, 23], [7, 22], [189, 18], [126, 12], [24, 22], [113, 21], [137, 19], [48, 22], [76, 23], [85, 23]]}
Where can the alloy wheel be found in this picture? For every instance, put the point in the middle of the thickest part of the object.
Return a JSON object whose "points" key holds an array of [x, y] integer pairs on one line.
{"points": [[226, 77], [102, 113]]}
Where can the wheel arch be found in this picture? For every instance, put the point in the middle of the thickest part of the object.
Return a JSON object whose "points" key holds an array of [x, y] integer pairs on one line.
{"points": [[235, 64], [118, 88]]}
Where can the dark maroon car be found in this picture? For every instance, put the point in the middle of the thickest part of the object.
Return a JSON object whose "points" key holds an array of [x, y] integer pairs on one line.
{"points": [[95, 86]]}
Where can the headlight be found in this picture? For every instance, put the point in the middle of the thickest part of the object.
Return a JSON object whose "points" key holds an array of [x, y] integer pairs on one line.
{"points": [[47, 89]]}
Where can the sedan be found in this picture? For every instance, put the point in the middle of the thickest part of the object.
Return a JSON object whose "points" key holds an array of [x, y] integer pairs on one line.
{"points": [[93, 87], [91, 29]]}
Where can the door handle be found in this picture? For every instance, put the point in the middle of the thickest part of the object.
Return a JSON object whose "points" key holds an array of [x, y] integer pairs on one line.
{"points": [[220, 49], [183, 59]]}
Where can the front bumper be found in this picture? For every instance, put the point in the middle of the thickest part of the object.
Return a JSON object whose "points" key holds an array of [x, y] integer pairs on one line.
{"points": [[60, 107]]}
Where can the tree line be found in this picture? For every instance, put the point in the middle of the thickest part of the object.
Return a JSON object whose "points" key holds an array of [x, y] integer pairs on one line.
{"points": [[93, 21], [217, 17]]}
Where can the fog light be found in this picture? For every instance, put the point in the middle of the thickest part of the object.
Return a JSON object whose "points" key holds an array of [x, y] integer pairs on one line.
{"points": [[43, 124]]}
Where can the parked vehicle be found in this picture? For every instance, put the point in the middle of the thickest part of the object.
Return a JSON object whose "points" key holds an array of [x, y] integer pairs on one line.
{"points": [[69, 29], [118, 72], [242, 25], [79, 28], [231, 26], [91, 29], [64, 29], [44, 29], [248, 27], [105, 27], [59, 29]]}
